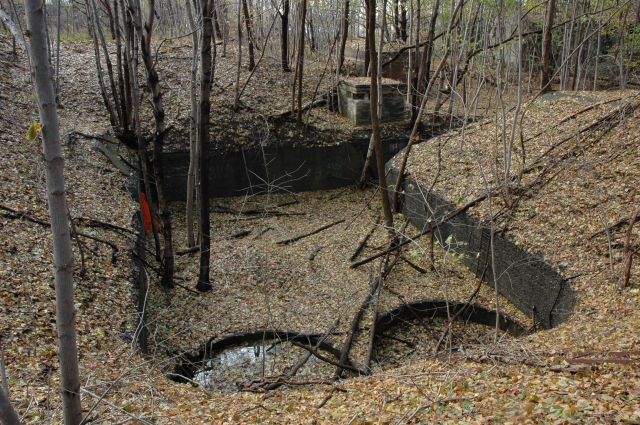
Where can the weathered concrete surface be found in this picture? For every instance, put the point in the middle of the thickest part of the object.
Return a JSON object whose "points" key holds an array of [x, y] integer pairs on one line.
{"points": [[355, 104], [523, 278], [296, 169]]}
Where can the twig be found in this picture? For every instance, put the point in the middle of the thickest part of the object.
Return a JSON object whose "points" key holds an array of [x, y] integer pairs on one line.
{"points": [[262, 232], [328, 360], [328, 397], [306, 358], [413, 266], [627, 253], [424, 232], [117, 407], [297, 238], [315, 252]]}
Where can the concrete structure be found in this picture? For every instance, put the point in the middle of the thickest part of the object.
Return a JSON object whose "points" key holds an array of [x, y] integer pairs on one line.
{"points": [[355, 102], [296, 169], [525, 279]]}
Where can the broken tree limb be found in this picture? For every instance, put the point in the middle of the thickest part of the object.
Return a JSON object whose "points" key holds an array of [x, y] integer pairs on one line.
{"points": [[363, 242], [328, 360], [315, 252], [305, 359], [297, 238], [614, 226], [346, 348], [374, 319], [448, 217], [328, 397], [196, 248], [14, 214]]}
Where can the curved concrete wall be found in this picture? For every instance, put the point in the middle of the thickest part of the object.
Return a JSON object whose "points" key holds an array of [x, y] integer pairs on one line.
{"points": [[295, 169], [526, 280]]}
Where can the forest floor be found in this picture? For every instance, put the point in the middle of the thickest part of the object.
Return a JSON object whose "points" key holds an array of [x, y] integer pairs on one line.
{"points": [[261, 284]]}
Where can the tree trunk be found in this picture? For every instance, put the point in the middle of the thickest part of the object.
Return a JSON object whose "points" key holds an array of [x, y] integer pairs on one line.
{"points": [[159, 134], [545, 82], [193, 131], [216, 22], [42, 74], [8, 415], [312, 35], [247, 23], [15, 31], [204, 224], [425, 63], [284, 37], [375, 120], [300, 65], [344, 34]]}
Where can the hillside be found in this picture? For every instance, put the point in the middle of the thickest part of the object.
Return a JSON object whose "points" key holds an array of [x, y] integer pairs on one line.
{"points": [[588, 179]]}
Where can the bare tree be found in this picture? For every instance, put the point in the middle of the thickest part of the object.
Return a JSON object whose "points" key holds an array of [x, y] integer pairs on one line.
{"points": [[193, 122], [145, 32], [300, 64], [42, 73], [204, 225], [545, 80], [375, 119]]}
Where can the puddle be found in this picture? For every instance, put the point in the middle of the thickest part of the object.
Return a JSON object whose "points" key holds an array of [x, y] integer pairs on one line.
{"points": [[234, 367]]}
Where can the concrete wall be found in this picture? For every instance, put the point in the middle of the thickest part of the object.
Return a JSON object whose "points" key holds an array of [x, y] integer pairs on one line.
{"points": [[526, 280], [296, 169], [358, 110]]}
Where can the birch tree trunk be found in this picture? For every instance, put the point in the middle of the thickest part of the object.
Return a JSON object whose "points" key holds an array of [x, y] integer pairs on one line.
{"points": [[42, 74]]}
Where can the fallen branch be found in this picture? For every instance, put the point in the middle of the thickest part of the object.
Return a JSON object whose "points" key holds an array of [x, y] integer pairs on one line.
{"points": [[14, 214], [196, 248], [344, 355], [431, 229], [614, 226], [328, 397], [363, 242], [328, 360], [315, 252], [304, 360], [297, 238]]}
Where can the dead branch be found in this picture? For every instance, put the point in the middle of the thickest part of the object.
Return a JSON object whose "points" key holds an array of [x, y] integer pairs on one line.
{"points": [[297, 238], [413, 266], [344, 355], [315, 252], [424, 232], [306, 358], [612, 227], [627, 253], [364, 240], [328, 397], [328, 360], [14, 214]]}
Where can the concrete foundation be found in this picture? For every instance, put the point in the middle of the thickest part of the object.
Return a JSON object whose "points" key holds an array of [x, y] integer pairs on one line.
{"points": [[355, 103]]}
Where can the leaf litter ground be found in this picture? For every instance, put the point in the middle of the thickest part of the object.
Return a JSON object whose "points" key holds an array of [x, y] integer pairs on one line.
{"points": [[258, 284]]}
